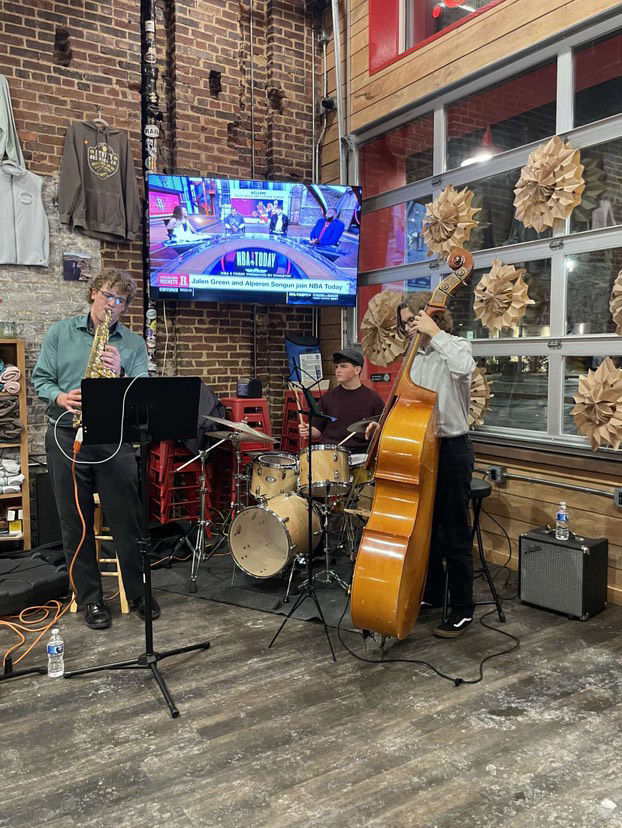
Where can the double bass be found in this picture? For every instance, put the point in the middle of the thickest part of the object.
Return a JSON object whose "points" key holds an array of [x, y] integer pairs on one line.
{"points": [[392, 559]]}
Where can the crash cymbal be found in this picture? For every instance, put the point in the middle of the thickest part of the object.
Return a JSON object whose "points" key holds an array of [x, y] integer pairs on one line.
{"points": [[244, 427], [242, 437], [360, 426]]}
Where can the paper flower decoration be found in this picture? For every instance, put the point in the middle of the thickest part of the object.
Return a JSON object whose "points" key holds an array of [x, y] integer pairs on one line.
{"points": [[598, 409], [448, 221], [480, 397], [501, 297], [382, 344], [550, 185], [596, 188], [615, 303]]}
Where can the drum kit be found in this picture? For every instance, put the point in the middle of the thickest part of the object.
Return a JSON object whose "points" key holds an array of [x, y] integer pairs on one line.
{"points": [[271, 534]]}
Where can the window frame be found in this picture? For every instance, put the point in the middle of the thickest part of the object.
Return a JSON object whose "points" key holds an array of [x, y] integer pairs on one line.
{"points": [[558, 345]]}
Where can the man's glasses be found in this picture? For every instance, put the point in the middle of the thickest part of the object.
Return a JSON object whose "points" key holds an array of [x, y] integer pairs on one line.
{"points": [[110, 297]]}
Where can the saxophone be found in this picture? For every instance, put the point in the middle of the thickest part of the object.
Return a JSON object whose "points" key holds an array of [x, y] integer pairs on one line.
{"points": [[95, 367]]}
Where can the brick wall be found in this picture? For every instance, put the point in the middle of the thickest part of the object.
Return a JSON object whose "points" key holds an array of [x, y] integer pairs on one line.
{"points": [[205, 94]]}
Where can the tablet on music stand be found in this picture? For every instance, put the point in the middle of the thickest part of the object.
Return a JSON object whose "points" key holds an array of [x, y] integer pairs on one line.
{"points": [[170, 405]]}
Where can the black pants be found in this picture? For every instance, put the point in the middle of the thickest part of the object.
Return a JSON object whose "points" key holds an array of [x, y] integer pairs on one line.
{"points": [[451, 532], [116, 482]]}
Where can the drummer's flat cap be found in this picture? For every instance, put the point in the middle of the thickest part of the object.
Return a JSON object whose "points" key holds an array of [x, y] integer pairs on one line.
{"points": [[353, 354]]}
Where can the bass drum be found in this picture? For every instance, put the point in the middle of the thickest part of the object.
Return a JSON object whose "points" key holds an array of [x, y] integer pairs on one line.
{"points": [[274, 473], [265, 539]]}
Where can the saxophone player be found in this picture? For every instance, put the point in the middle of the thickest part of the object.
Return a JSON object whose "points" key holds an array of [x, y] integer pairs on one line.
{"points": [[70, 345]]}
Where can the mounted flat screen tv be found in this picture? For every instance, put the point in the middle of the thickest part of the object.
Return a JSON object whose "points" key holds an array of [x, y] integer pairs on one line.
{"points": [[265, 242]]}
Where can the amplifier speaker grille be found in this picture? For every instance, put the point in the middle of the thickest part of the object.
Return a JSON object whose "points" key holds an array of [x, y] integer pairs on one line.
{"points": [[565, 576]]}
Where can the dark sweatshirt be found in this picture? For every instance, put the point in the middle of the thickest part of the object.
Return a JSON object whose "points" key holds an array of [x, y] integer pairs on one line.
{"points": [[348, 406], [97, 191]]}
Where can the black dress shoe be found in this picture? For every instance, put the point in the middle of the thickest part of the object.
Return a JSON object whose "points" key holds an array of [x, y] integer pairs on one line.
{"points": [[139, 606], [97, 615]]}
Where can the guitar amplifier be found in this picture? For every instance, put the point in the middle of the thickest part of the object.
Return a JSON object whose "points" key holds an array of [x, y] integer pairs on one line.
{"points": [[568, 576]]}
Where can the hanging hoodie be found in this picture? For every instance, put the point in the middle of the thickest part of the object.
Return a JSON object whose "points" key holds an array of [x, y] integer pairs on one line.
{"points": [[97, 191], [9, 142], [24, 233]]}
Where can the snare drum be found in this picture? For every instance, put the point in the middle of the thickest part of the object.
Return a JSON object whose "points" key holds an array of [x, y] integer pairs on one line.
{"points": [[330, 467], [265, 539], [274, 473]]}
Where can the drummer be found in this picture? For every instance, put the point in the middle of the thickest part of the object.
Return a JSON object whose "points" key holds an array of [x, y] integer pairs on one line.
{"points": [[348, 402]]}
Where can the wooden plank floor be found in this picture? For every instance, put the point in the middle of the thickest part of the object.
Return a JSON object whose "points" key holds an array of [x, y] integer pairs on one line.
{"points": [[285, 737]]}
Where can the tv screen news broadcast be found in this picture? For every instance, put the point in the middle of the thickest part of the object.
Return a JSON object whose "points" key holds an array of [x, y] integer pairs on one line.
{"points": [[265, 242]]}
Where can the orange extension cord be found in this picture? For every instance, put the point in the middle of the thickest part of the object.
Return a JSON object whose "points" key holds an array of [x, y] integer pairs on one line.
{"points": [[22, 624]]}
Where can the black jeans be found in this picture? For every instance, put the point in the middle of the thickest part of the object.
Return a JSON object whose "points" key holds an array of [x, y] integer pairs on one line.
{"points": [[451, 531], [116, 482]]}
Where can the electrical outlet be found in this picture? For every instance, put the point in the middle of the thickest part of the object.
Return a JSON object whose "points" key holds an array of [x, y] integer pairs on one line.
{"points": [[617, 497], [497, 474]]}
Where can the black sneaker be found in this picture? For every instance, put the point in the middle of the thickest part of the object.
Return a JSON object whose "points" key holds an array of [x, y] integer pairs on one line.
{"points": [[455, 625]]}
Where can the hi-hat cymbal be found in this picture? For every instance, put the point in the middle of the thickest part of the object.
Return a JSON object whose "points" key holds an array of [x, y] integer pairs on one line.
{"points": [[244, 427], [242, 436], [360, 426]]}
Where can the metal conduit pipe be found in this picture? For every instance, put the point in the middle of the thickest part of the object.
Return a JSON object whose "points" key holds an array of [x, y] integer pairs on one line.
{"points": [[318, 146], [313, 169], [339, 85], [498, 475], [252, 61]]}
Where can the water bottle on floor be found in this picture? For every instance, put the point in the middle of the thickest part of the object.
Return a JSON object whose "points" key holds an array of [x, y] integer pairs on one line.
{"points": [[561, 522], [56, 653]]}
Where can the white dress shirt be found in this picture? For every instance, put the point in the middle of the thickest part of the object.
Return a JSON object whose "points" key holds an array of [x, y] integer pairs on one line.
{"points": [[445, 366], [278, 227]]}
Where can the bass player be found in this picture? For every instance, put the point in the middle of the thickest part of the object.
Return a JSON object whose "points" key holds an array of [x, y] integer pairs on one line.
{"points": [[444, 364]]}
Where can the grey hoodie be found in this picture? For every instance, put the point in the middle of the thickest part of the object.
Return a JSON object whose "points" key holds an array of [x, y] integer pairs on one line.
{"points": [[24, 233], [9, 142], [97, 191]]}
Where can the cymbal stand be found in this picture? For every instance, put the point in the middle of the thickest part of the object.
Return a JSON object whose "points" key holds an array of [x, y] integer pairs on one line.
{"points": [[198, 550], [326, 576], [300, 560], [236, 502]]}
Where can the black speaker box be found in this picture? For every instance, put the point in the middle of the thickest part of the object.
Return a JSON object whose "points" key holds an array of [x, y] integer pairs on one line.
{"points": [[249, 388], [568, 576]]}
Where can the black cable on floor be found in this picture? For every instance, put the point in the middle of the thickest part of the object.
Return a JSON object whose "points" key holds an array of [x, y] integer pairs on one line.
{"points": [[455, 679]]}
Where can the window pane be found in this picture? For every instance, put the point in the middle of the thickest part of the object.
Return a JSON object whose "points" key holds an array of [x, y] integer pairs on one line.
{"points": [[382, 238], [496, 224], [590, 277], [598, 80], [519, 385], [601, 201], [536, 320], [574, 368], [416, 249], [400, 157], [502, 117]]}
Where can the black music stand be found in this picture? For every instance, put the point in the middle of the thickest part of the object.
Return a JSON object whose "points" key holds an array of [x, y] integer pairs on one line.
{"points": [[308, 588], [162, 408]]}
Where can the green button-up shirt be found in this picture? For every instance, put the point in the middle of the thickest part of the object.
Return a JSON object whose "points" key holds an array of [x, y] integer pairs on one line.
{"points": [[65, 354]]}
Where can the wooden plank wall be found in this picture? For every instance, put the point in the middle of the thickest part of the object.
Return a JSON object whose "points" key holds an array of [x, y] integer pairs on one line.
{"points": [[507, 28], [503, 30], [520, 506]]}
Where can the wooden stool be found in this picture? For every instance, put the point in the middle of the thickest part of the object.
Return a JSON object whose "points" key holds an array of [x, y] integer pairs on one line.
{"points": [[102, 534]]}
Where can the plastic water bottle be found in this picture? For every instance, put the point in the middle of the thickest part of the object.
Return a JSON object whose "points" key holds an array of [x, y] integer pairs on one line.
{"points": [[561, 522], [56, 652]]}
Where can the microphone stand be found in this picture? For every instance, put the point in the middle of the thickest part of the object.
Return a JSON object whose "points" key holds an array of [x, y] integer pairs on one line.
{"points": [[309, 589]]}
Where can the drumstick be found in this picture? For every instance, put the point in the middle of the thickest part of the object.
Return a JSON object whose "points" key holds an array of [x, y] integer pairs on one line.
{"points": [[345, 440], [297, 398]]}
